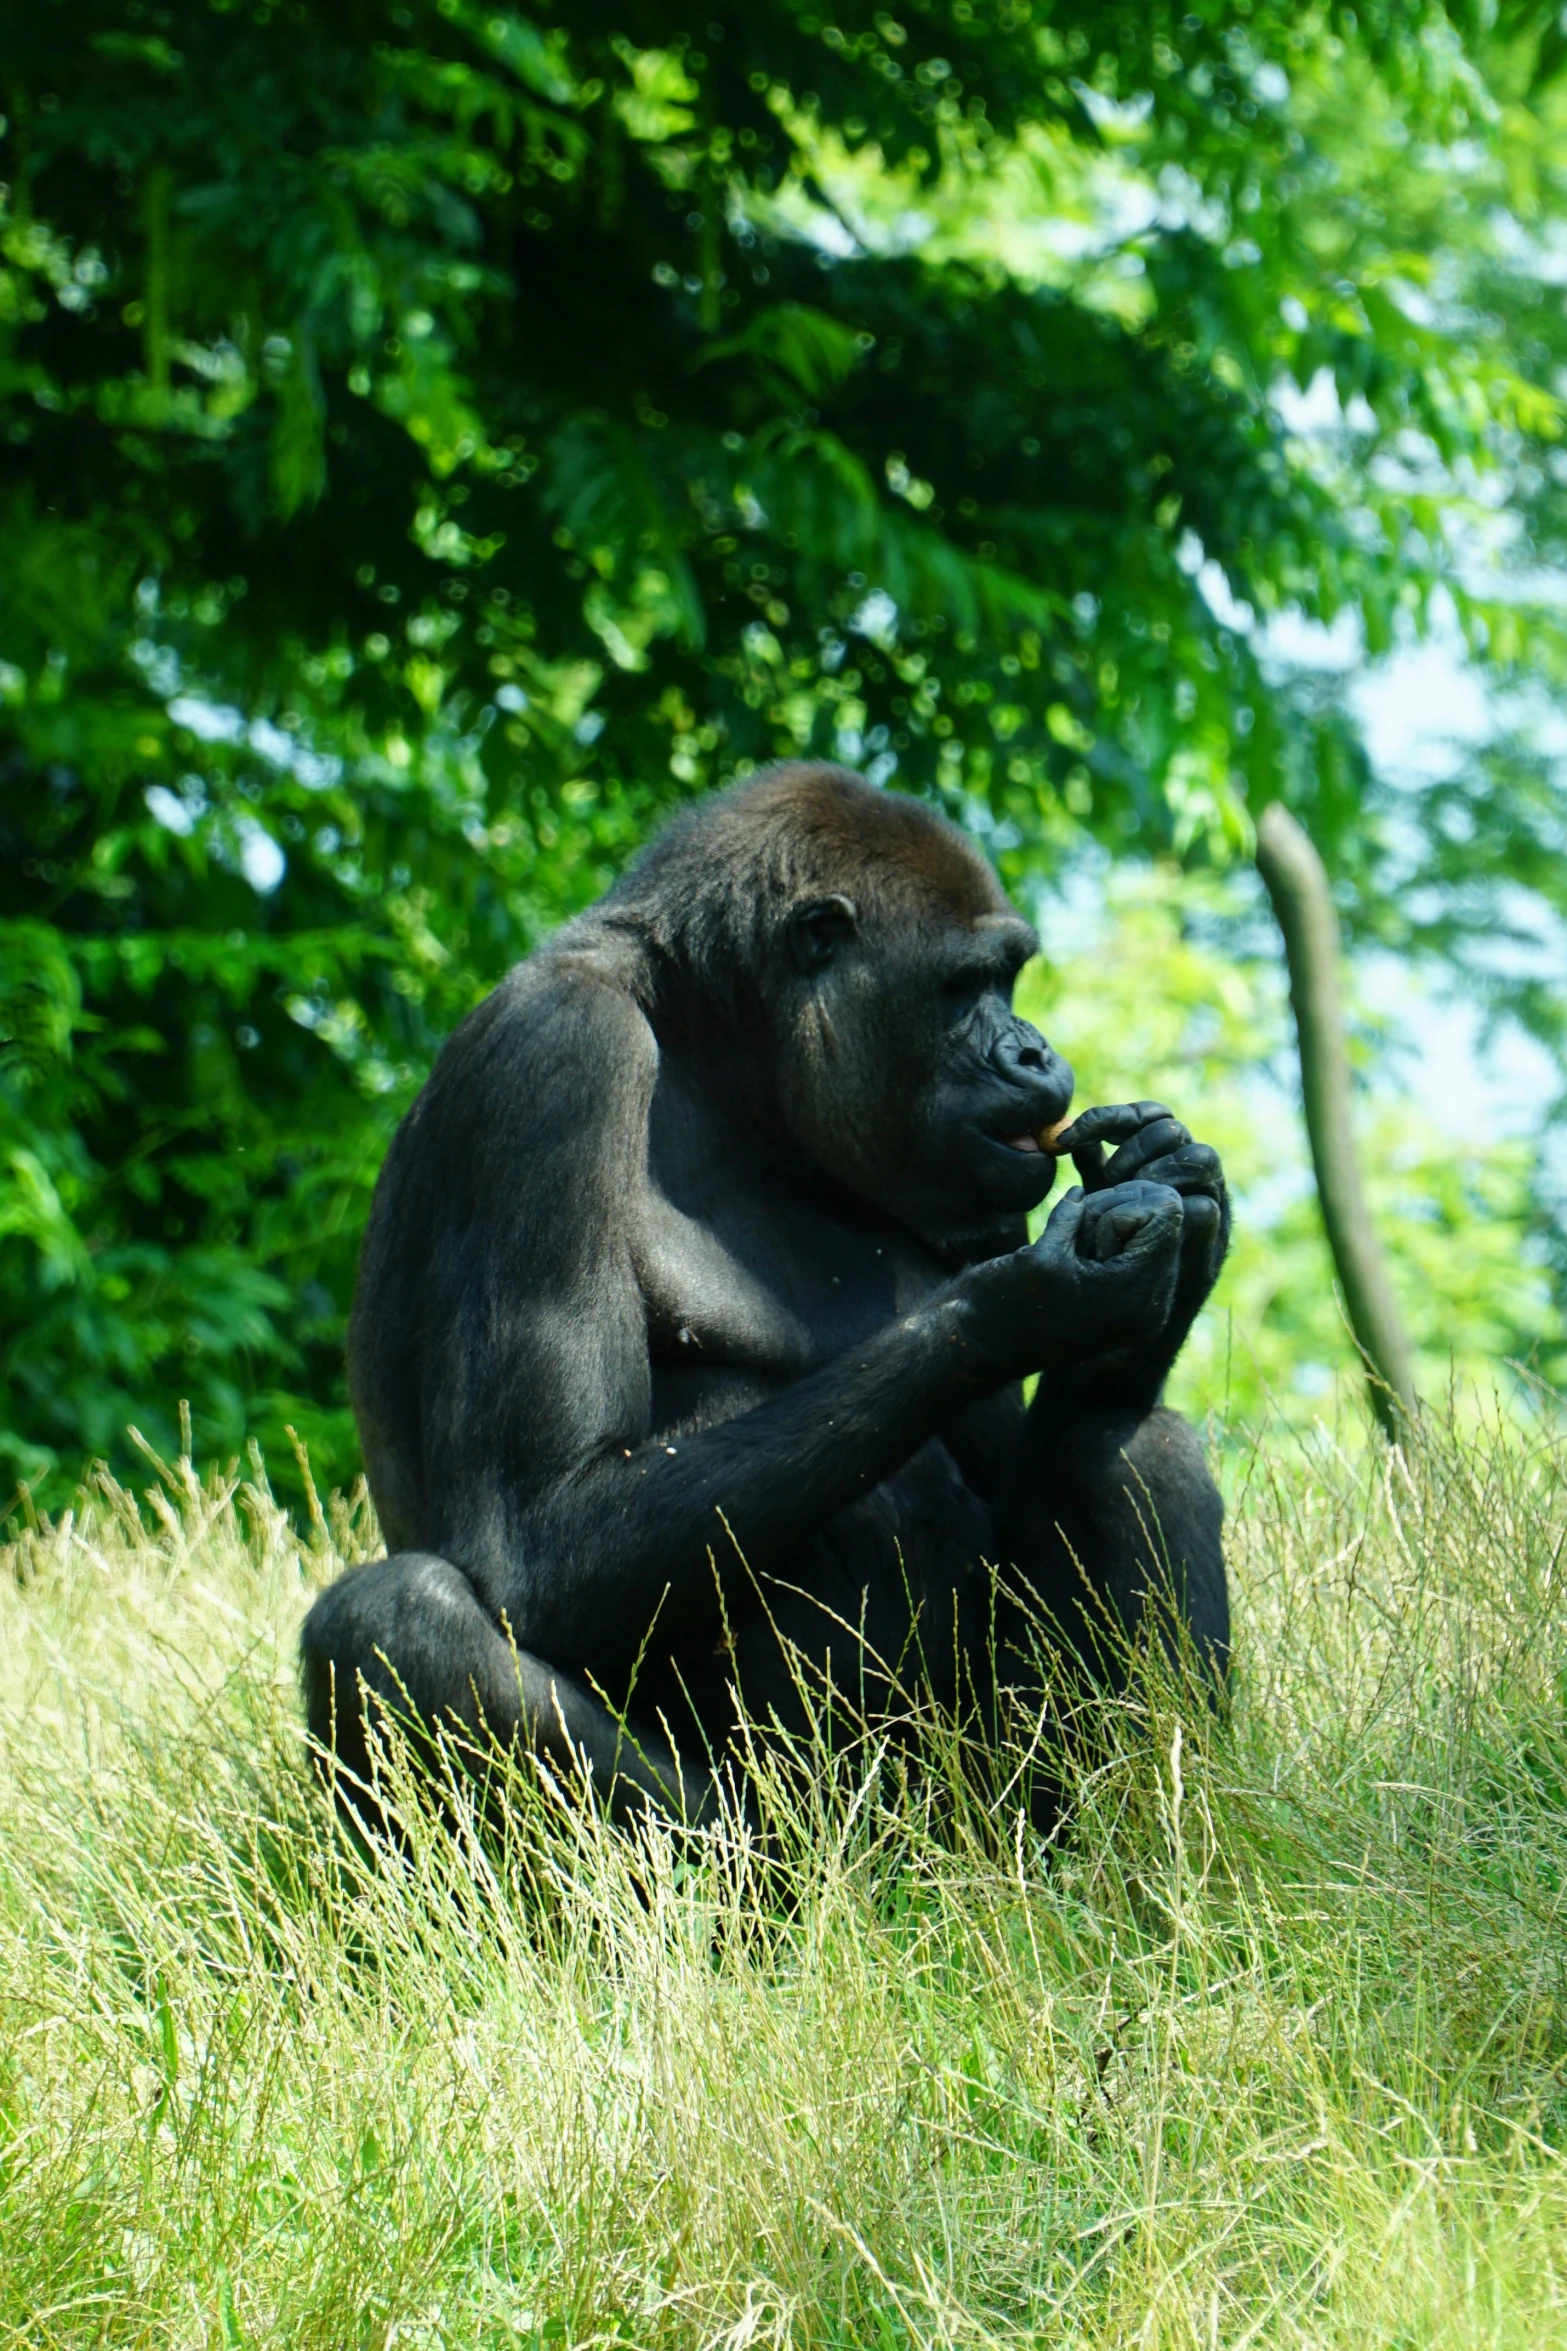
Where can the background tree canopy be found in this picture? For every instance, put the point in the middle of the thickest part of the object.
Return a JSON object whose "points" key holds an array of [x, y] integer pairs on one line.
{"points": [[433, 440]]}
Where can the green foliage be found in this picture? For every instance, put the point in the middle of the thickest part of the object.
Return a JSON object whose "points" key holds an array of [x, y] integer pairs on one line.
{"points": [[433, 440], [1158, 1007]]}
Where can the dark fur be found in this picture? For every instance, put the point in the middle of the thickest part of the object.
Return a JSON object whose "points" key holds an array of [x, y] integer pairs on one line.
{"points": [[696, 1299]]}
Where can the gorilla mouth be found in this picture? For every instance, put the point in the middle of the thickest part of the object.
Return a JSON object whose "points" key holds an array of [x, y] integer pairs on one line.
{"points": [[1045, 1140]]}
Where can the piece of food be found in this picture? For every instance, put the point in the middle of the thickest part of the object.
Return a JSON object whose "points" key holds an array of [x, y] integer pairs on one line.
{"points": [[1044, 1140]]}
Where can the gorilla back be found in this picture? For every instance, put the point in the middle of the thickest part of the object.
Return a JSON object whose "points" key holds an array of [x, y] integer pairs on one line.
{"points": [[696, 1300]]}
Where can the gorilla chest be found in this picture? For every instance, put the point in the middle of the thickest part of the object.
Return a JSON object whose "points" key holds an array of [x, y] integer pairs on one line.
{"points": [[752, 1270], [765, 1284]]}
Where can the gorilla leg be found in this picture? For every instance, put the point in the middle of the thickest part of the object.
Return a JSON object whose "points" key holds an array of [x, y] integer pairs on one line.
{"points": [[1113, 1510], [408, 1637]]}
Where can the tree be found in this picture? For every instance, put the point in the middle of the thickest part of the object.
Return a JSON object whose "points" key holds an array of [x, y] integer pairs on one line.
{"points": [[433, 439]]}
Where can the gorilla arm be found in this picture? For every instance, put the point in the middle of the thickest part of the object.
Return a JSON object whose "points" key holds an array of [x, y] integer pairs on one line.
{"points": [[575, 1521]]}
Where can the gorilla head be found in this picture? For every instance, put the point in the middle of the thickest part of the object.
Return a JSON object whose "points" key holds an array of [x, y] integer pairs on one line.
{"points": [[876, 954]]}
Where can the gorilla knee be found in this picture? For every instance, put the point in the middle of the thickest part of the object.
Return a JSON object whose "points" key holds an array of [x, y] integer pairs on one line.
{"points": [[1127, 1515], [1165, 1519]]}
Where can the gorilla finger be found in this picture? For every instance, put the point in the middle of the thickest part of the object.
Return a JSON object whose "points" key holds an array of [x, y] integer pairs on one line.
{"points": [[1109, 1122], [1064, 1220], [1201, 1223], [1155, 1141], [1089, 1161], [1137, 1217], [1114, 1234], [1192, 1170], [1199, 1251]]}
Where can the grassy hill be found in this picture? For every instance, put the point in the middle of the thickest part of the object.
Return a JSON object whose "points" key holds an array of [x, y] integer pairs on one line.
{"points": [[1270, 2050]]}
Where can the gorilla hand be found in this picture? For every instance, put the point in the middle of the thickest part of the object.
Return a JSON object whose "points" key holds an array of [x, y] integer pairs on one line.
{"points": [[1102, 1274], [1154, 1147]]}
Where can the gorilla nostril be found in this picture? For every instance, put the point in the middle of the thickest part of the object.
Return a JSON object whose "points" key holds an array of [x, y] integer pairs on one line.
{"points": [[1031, 1058]]}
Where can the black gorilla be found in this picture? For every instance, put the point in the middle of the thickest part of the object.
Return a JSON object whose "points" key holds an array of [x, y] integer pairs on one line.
{"points": [[696, 1299]]}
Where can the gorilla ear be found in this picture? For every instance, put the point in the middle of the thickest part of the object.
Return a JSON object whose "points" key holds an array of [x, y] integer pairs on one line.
{"points": [[818, 929]]}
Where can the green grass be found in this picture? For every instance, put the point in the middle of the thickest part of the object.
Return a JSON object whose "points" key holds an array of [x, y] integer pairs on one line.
{"points": [[1272, 2050]]}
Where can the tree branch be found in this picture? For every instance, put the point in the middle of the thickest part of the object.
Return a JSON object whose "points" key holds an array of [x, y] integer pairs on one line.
{"points": [[1298, 886]]}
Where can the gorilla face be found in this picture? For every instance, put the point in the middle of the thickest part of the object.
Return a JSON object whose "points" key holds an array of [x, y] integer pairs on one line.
{"points": [[904, 1070]]}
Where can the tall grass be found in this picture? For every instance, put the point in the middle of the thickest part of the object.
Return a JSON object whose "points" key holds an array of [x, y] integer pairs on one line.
{"points": [[1270, 2049]]}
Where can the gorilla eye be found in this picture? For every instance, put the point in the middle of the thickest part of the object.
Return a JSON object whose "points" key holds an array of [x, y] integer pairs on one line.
{"points": [[818, 930]]}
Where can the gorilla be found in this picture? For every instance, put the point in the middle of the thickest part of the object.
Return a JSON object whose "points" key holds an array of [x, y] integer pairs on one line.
{"points": [[696, 1305]]}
